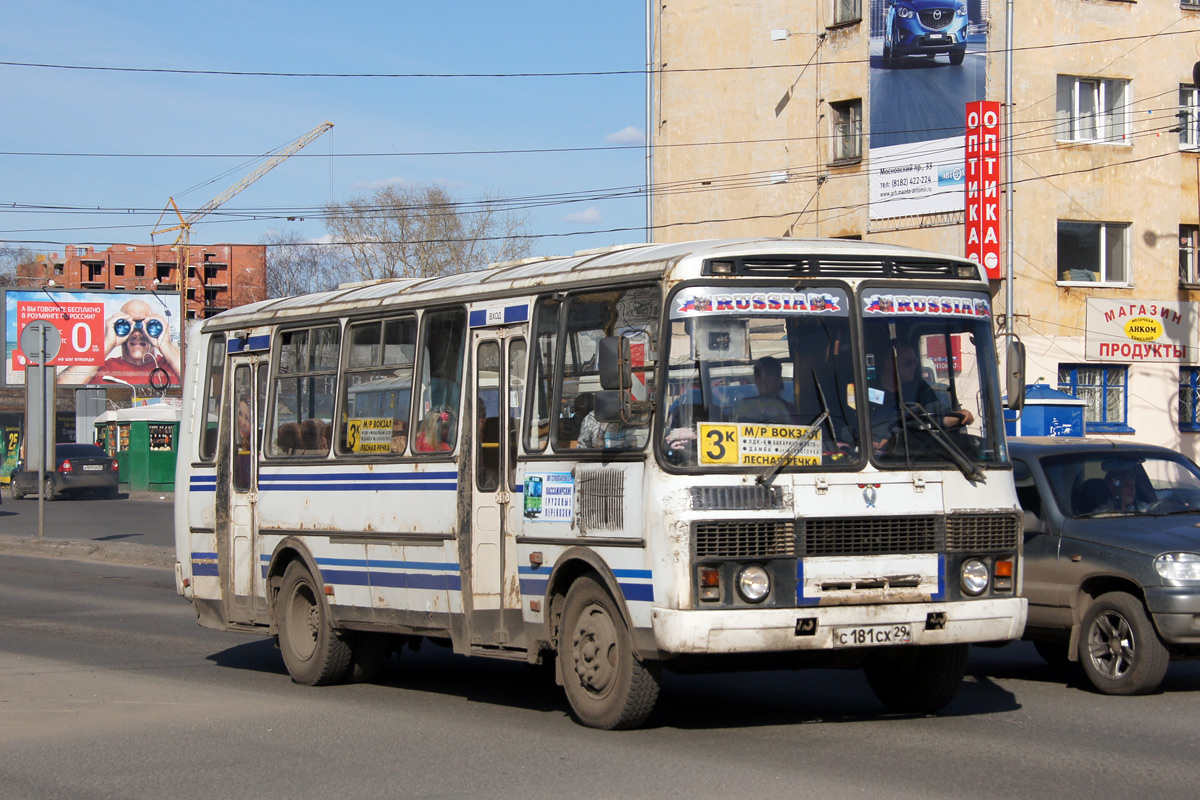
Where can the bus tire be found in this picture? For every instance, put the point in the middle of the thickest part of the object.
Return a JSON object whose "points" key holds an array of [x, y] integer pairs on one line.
{"points": [[314, 653], [920, 680], [607, 685]]}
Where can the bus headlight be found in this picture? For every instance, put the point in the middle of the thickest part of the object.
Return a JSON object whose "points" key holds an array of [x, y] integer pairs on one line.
{"points": [[1178, 566], [974, 576], [753, 584]]}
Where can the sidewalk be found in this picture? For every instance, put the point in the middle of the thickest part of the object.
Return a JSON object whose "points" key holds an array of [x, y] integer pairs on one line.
{"points": [[139, 555]]}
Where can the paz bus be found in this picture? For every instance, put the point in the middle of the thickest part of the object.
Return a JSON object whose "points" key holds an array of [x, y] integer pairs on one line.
{"points": [[716, 455]]}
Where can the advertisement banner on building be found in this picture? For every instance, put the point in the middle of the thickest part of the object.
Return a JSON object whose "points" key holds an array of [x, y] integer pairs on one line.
{"points": [[928, 60], [1133, 331], [917, 178], [983, 185], [119, 336]]}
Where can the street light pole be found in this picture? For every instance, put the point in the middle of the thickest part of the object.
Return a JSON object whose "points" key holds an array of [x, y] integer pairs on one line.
{"points": [[132, 388]]}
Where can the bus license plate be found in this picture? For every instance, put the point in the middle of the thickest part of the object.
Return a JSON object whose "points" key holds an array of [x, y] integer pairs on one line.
{"points": [[872, 635]]}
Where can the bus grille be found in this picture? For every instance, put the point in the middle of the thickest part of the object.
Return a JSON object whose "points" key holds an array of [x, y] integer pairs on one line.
{"points": [[856, 536], [744, 539], [967, 532], [864, 536]]}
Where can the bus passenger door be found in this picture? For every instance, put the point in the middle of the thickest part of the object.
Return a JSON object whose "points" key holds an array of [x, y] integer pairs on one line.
{"points": [[499, 383], [243, 573]]}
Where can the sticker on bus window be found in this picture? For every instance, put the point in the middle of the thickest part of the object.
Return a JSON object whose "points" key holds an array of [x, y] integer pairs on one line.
{"points": [[549, 496], [756, 444], [369, 435]]}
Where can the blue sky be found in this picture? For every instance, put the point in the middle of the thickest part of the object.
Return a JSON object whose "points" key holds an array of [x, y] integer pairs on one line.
{"points": [[71, 111]]}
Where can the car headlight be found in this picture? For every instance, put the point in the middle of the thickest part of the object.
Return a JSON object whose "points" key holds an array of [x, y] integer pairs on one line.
{"points": [[962, 11], [974, 576], [905, 13], [1178, 566], [753, 584]]}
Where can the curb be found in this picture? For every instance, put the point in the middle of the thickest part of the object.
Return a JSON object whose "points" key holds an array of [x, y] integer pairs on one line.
{"points": [[140, 555]]}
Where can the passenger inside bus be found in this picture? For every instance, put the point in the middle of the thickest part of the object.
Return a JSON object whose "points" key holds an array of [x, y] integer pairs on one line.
{"points": [[288, 439], [769, 404], [433, 435], [569, 427]]}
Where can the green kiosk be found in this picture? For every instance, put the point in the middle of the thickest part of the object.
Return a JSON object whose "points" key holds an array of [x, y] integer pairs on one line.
{"points": [[143, 440]]}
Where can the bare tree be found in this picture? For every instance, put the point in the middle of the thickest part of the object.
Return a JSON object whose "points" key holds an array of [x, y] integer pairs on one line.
{"points": [[404, 231], [10, 259], [296, 265]]}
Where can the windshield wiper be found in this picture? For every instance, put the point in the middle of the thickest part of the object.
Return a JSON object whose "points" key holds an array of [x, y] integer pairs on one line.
{"points": [[926, 424], [768, 474]]}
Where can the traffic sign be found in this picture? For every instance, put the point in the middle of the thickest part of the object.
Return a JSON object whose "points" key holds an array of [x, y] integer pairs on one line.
{"points": [[40, 341]]}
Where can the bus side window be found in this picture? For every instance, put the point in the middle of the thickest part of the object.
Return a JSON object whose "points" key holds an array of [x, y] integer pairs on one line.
{"points": [[305, 379], [213, 398], [443, 342], [376, 402], [541, 382]]}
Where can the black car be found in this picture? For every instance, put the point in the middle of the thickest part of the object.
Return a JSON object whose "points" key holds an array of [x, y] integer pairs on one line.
{"points": [[1112, 557], [78, 468]]}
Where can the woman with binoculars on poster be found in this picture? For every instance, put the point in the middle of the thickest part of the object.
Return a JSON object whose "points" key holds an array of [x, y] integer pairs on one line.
{"points": [[143, 343]]}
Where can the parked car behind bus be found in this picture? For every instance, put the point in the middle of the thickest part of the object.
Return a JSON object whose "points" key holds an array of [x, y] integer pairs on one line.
{"points": [[78, 468]]}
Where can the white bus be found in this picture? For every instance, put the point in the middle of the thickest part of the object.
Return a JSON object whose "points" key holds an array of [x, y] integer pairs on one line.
{"points": [[679, 456]]}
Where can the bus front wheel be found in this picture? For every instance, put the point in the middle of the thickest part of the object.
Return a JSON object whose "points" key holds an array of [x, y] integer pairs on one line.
{"points": [[918, 680], [312, 650], [607, 685]]}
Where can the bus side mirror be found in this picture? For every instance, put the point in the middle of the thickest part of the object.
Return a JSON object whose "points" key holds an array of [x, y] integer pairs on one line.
{"points": [[1014, 374], [614, 359]]}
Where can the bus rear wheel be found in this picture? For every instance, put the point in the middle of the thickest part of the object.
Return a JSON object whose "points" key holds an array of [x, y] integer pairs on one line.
{"points": [[313, 652], [918, 680], [607, 685]]}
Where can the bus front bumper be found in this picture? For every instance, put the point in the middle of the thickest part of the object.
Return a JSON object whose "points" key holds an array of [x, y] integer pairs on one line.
{"points": [[833, 627]]}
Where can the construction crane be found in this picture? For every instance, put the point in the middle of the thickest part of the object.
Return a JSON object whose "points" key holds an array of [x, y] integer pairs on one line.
{"points": [[182, 245]]}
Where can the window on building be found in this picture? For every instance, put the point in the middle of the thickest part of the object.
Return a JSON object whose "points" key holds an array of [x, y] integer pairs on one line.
{"points": [[1189, 118], [80, 252], [1189, 399], [118, 269], [139, 270], [1188, 235], [847, 130], [846, 11], [1092, 252], [1103, 391], [1092, 109], [162, 270]]}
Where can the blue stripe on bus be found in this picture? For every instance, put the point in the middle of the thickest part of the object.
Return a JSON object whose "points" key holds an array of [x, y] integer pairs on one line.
{"points": [[262, 342], [204, 565], [394, 580], [400, 486], [203, 483], [280, 477], [533, 581]]}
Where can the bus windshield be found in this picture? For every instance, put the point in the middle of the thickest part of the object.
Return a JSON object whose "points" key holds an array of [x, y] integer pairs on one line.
{"points": [[757, 376], [938, 347], [762, 378]]}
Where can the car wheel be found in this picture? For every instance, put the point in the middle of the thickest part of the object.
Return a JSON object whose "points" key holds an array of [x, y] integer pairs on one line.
{"points": [[607, 685], [48, 489], [15, 490], [1119, 648], [918, 680], [887, 55], [957, 56], [312, 650], [1054, 652]]}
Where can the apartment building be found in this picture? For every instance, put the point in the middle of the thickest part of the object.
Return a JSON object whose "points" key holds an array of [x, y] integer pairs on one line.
{"points": [[219, 276], [845, 118]]}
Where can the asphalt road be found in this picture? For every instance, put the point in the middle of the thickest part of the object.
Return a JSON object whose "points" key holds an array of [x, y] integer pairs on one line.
{"points": [[108, 689], [136, 528]]}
